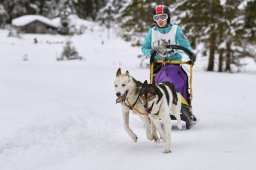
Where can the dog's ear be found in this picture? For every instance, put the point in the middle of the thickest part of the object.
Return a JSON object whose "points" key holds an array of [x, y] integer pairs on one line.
{"points": [[145, 83], [127, 73], [118, 72]]}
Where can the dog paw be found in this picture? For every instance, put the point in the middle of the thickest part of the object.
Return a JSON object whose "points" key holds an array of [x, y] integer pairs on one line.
{"points": [[157, 140], [150, 137], [135, 139], [167, 151], [163, 139], [179, 125]]}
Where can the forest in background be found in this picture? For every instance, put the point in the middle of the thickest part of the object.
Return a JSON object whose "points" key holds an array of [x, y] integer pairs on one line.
{"points": [[224, 28]]}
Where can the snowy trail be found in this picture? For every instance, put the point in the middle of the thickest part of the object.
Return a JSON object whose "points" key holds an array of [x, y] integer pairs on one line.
{"points": [[67, 128], [62, 115], [84, 127]]}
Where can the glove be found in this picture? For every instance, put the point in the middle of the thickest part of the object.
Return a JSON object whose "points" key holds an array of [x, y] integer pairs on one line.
{"points": [[193, 59], [190, 62], [152, 55]]}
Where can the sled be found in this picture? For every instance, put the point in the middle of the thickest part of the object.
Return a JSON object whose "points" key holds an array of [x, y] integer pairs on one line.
{"points": [[165, 69]]}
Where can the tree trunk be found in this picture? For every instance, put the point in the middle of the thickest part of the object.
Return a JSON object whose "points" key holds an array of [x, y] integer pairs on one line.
{"points": [[220, 61], [228, 58], [212, 51]]}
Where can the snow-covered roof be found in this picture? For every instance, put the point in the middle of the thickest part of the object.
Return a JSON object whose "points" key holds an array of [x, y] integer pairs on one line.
{"points": [[26, 19], [75, 21]]}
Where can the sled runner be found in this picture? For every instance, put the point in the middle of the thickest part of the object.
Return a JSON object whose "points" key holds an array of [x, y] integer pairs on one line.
{"points": [[167, 68]]}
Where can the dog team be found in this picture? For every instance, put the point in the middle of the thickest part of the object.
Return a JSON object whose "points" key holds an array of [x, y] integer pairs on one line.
{"points": [[153, 103]]}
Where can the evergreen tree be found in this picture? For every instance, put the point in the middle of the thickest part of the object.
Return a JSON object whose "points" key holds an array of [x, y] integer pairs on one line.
{"points": [[136, 19], [69, 51], [15, 8], [110, 11], [232, 23], [88, 9], [50, 8], [200, 19], [250, 21], [3, 16], [64, 20], [108, 15]]}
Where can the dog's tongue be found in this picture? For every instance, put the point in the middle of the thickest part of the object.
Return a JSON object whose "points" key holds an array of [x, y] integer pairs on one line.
{"points": [[119, 99], [148, 110]]}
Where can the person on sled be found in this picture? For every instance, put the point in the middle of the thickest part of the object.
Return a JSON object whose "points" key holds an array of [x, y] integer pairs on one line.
{"points": [[163, 30]]}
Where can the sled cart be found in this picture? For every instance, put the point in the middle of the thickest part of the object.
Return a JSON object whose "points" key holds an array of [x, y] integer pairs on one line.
{"points": [[166, 68]]}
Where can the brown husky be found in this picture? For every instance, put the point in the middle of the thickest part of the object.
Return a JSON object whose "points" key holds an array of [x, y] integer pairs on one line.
{"points": [[159, 101]]}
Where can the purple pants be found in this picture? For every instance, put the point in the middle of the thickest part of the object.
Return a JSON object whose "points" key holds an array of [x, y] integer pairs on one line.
{"points": [[176, 75]]}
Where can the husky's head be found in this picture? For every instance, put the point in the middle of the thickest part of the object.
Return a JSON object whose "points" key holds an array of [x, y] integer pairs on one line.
{"points": [[148, 96], [123, 83]]}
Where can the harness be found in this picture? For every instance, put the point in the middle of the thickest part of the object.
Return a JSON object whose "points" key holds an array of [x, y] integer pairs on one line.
{"points": [[151, 110], [131, 107]]}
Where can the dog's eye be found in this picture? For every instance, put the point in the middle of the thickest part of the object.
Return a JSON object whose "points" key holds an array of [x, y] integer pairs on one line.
{"points": [[150, 97], [115, 85], [123, 85]]}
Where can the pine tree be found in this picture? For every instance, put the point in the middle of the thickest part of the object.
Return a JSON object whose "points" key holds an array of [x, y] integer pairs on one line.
{"points": [[49, 8], [233, 40], [15, 8], [110, 11], [64, 20], [136, 19], [200, 20], [250, 21], [3, 16], [88, 9]]}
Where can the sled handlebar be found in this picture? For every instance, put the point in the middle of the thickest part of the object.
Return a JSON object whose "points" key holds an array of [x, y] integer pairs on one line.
{"points": [[190, 54]]}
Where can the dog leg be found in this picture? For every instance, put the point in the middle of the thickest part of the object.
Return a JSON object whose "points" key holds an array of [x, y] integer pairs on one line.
{"points": [[155, 120], [176, 109], [167, 129], [176, 113], [127, 127], [154, 133], [147, 126]]}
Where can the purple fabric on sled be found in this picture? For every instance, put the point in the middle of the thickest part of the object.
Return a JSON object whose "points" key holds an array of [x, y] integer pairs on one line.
{"points": [[176, 75]]}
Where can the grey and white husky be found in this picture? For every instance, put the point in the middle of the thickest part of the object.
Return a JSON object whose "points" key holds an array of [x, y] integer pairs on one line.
{"points": [[127, 92], [159, 101]]}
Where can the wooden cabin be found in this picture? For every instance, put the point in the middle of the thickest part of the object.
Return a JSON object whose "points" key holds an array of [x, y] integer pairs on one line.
{"points": [[35, 24]]}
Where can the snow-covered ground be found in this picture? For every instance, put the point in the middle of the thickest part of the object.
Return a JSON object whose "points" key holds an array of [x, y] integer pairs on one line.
{"points": [[61, 115]]}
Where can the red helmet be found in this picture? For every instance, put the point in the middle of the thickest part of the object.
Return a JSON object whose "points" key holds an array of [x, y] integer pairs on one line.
{"points": [[162, 9]]}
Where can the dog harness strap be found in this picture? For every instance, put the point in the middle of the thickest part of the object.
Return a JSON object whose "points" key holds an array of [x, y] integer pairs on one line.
{"points": [[132, 108]]}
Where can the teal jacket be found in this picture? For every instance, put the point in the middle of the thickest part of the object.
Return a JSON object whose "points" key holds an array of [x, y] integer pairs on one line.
{"points": [[180, 39]]}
